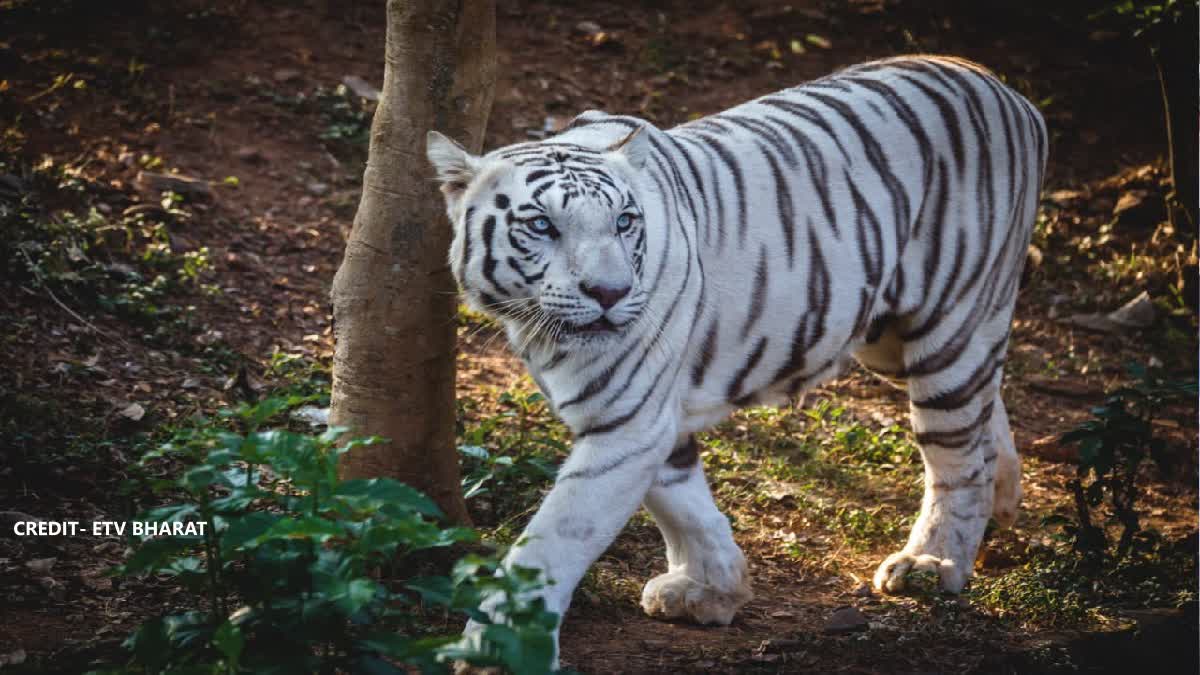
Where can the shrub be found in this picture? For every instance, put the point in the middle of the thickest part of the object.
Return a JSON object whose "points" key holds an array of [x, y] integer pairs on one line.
{"points": [[1112, 449], [510, 457], [283, 576]]}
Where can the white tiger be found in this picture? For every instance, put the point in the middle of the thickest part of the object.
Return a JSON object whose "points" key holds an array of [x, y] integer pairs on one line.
{"points": [[654, 281]]}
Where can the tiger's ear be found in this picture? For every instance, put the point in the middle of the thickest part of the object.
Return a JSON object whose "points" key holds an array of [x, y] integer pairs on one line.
{"points": [[455, 166], [635, 148]]}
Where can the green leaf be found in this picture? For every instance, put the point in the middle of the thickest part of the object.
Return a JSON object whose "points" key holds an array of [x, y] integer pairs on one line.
{"points": [[304, 527], [522, 650], [187, 630], [373, 665], [434, 590], [244, 531], [349, 595], [478, 487], [150, 645], [153, 555], [474, 452], [228, 640], [421, 652], [368, 492]]}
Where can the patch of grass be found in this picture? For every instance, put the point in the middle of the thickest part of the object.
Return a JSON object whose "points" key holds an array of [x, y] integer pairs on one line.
{"points": [[829, 469], [1055, 589], [1042, 593], [840, 438], [865, 528]]}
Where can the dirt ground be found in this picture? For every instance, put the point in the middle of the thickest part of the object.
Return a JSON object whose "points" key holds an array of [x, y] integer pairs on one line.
{"points": [[246, 89]]}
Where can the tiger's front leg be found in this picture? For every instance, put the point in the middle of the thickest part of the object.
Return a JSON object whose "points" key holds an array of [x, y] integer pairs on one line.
{"points": [[596, 491], [706, 579]]}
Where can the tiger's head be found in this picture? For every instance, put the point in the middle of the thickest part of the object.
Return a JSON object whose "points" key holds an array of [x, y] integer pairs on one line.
{"points": [[549, 236]]}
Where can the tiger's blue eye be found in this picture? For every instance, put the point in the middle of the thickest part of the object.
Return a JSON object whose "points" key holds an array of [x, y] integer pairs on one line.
{"points": [[624, 222], [540, 225]]}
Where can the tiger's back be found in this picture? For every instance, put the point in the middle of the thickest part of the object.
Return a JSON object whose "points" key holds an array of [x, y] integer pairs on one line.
{"points": [[860, 208]]}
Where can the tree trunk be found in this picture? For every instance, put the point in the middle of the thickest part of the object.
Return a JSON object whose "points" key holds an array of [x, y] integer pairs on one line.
{"points": [[394, 302]]}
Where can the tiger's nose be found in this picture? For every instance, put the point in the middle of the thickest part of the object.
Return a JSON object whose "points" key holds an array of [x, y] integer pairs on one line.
{"points": [[607, 296]]}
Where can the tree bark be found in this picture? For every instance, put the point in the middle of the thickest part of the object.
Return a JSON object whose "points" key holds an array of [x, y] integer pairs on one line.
{"points": [[394, 301]]}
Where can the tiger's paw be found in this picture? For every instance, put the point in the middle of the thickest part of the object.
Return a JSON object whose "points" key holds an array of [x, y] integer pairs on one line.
{"points": [[891, 576], [675, 594]]}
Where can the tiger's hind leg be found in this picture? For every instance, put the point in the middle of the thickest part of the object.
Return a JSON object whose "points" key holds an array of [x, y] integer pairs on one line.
{"points": [[1008, 469], [706, 579], [962, 430]]}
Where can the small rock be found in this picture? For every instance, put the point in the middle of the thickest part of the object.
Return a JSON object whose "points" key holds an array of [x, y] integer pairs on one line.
{"points": [[317, 188], [588, 27], [164, 182], [846, 620], [1138, 210], [11, 186], [312, 415], [286, 75], [1135, 314], [53, 588], [40, 566], [133, 411], [249, 155], [864, 590], [1103, 35], [106, 547], [779, 646], [361, 87]]}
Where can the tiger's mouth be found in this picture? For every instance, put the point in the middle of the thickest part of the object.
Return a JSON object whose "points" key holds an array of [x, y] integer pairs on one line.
{"points": [[601, 327]]}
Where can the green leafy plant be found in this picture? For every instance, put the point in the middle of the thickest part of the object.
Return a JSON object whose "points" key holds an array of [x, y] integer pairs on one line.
{"points": [[284, 574], [1147, 16], [508, 457], [347, 119], [1112, 448], [1043, 592], [501, 473], [122, 264], [299, 375]]}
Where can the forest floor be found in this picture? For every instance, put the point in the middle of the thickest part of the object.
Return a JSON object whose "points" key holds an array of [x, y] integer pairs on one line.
{"points": [[127, 312]]}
